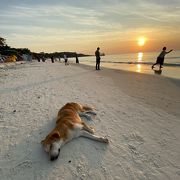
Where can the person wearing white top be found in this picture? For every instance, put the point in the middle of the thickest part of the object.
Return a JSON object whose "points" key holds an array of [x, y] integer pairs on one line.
{"points": [[160, 58]]}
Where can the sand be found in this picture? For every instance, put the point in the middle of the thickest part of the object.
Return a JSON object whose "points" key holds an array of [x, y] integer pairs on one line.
{"points": [[138, 113]]}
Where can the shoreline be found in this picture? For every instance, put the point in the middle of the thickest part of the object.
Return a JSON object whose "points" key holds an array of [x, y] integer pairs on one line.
{"points": [[167, 71], [134, 77]]}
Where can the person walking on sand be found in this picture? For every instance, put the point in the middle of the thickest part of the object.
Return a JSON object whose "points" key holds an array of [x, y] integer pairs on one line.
{"points": [[98, 58], [66, 60], [160, 58]]}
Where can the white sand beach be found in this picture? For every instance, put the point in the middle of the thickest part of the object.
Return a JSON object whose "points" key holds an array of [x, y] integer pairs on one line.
{"points": [[138, 113]]}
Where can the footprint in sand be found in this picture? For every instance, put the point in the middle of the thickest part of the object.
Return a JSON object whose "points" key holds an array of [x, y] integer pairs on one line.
{"points": [[133, 140], [134, 137], [21, 167]]}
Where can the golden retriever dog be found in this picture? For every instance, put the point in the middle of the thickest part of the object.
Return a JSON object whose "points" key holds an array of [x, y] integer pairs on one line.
{"points": [[69, 125]]}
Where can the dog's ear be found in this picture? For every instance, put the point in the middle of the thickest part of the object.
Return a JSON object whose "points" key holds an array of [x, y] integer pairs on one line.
{"points": [[56, 135]]}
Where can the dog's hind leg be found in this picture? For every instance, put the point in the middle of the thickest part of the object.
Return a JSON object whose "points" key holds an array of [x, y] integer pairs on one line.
{"points": [[87, 108], [87, 128], [94, 137], [90, 112]]}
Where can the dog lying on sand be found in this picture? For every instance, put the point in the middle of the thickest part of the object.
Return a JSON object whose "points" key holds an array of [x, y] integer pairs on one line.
{"points": [[69, 125]]}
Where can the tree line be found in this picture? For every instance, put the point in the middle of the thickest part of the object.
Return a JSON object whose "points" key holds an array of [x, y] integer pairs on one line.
{"points": [[7, 50]]}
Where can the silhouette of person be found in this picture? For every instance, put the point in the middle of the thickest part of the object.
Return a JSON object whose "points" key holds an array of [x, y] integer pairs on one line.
{"points": [[38, 58], [52, 59], [77, 60], [66, 59], [160, 58], [98, 58], [43, 59]]}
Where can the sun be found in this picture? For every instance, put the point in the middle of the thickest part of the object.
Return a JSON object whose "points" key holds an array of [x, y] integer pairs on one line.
{"points": [[141, 41]]}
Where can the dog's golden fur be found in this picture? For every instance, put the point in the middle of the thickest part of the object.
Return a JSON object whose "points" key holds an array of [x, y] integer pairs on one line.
{"points": [[69, 125]]}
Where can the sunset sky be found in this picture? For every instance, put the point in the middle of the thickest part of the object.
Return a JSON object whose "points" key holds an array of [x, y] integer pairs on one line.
{"points": [[82, 25]]}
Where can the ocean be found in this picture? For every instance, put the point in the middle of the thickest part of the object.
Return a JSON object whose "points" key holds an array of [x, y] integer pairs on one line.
{"points": [[139, 62]]}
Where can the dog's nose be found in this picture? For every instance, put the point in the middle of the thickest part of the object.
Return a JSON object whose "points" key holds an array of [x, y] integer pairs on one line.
{"points": [[53, 158]]}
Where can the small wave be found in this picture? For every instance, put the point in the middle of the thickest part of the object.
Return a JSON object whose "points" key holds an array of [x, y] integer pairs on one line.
{"points": [[146, 63], [175, 57]]}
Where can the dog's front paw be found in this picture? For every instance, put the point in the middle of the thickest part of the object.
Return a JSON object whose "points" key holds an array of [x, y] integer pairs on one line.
{"points": [[106, 140]]}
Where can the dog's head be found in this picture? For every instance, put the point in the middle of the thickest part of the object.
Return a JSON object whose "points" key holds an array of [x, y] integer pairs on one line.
{"points": [[52, 144]]}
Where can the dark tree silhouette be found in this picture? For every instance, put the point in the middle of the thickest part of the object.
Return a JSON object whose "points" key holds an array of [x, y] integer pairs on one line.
{"points": [[2, 42]]}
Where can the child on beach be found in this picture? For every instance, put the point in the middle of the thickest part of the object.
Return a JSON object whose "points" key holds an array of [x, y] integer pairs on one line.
{"points": [[160, 58]]}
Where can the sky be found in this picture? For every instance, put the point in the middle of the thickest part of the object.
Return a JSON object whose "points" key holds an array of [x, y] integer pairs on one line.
{"points": [[83, 25]]}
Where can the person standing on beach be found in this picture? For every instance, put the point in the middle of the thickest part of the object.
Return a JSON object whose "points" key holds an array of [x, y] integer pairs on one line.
{"points": [[38, 58], [66, 60], [77, 60], [160, 58], [52, 59], [98, 58]]}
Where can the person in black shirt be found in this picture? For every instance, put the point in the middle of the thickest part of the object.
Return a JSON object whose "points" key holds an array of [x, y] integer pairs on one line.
{"points": [[98, 58]]}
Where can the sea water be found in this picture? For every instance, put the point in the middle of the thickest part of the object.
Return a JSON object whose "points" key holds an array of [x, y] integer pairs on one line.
{"points": [[140, 62]]}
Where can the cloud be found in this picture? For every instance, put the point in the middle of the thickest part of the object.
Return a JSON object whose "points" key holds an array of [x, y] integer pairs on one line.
{"points": [[85, 22]]}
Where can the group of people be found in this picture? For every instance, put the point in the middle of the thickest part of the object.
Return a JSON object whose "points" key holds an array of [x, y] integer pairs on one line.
{"points": [[160, 58], [65, 59], [97, 54]]}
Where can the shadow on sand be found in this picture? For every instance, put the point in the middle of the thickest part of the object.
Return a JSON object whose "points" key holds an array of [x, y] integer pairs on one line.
{"points": [[159, 72]]}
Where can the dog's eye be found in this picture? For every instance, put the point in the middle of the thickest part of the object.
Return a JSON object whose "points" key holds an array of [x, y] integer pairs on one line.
{"points": [[59, 150]]}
